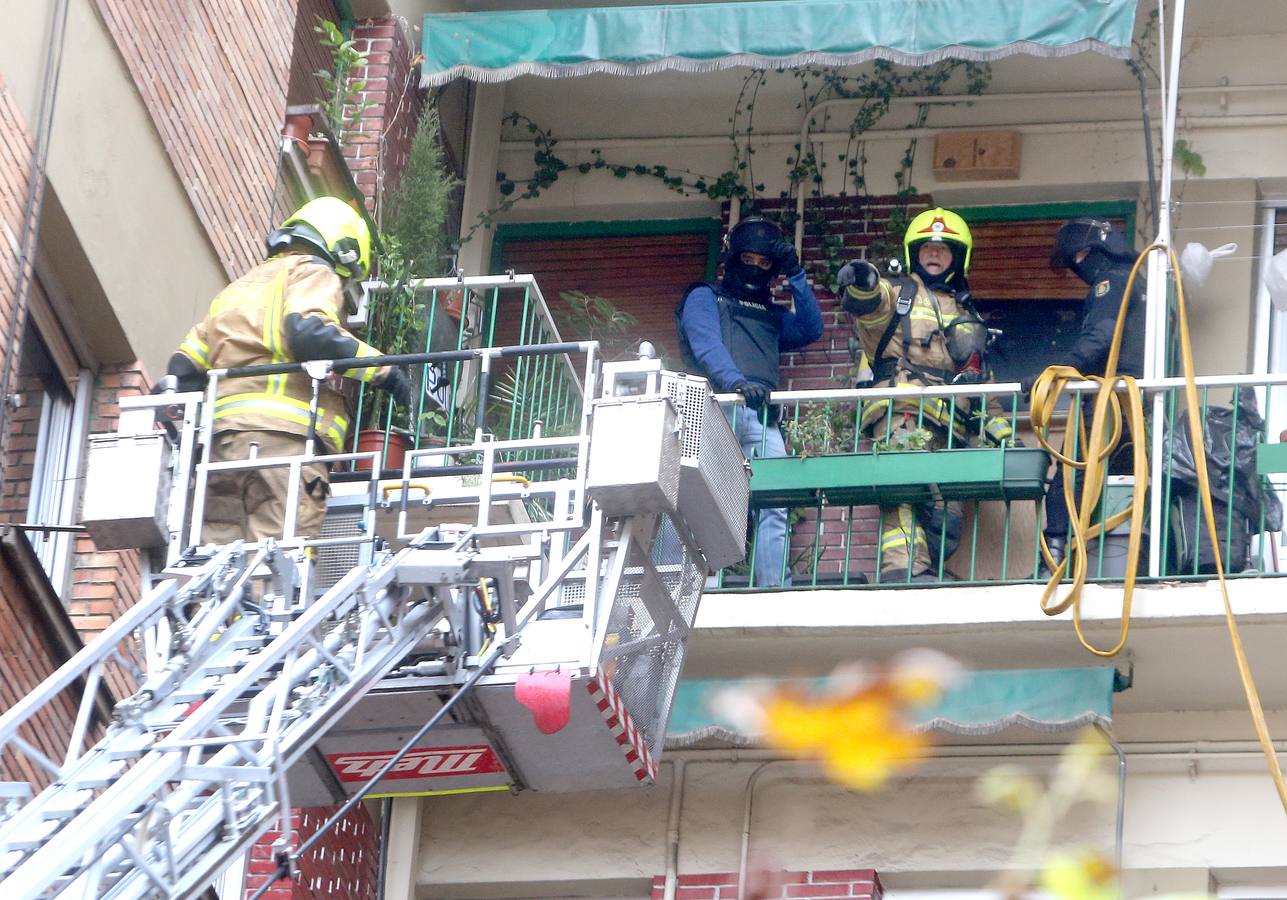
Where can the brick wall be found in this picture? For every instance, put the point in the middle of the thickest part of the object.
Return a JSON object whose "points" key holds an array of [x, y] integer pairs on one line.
{"points": [[308, 55], [342, 866], [15, 168], [377, 152], [22, 431], [213, 77], [831, 884], [27, 657]]}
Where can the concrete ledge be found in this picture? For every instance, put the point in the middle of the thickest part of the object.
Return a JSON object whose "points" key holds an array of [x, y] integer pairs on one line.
{"points": [[805, 611]]}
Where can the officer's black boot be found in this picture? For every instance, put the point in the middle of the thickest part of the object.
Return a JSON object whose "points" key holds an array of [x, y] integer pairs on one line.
{"points": [[1057, 546]]}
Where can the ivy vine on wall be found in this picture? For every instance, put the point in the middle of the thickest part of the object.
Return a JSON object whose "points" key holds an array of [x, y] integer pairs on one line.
{"points": [[873, 91]]}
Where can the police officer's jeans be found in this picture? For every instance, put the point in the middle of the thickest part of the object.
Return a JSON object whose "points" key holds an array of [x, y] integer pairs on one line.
{"points": [[250, 504], [771, 543], [914, 537]]}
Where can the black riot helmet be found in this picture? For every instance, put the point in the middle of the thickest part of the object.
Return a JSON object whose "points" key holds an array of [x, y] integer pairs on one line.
{"points": [[753, 235], [1098, 236]]}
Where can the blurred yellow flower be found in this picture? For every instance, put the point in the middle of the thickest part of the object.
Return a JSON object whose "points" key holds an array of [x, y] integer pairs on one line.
{"points": [[1083, 876], [856, 723]]}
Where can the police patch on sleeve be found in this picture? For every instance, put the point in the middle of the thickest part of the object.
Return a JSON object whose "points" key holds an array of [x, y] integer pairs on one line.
{"points": [[1101, 287]]}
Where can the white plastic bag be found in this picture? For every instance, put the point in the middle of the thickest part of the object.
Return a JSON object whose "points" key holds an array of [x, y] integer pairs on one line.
{"points": [[1196, 262], [1276, 281]]}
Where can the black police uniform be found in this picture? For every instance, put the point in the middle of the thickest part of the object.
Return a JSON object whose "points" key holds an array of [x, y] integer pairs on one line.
{"points": [[1107, 276]]}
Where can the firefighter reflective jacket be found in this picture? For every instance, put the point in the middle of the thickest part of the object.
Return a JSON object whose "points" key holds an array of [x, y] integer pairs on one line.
{"points": [[915, 352], [283, 310]]}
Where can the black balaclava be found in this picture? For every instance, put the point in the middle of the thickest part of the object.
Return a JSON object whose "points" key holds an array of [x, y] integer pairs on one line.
{"points": [[1106, 245], [1094, 267], [754, 235]]}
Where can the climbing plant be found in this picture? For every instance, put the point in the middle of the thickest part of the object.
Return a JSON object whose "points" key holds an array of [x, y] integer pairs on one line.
{"points": [[1143, 65], [874, 89], [342, 102]]}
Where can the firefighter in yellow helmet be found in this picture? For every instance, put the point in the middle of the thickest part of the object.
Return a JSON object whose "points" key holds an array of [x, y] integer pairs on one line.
{"points": [[922, 329], [286, 309]]}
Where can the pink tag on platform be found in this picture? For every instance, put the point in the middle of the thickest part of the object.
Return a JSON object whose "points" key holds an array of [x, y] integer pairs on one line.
{"points": [[549, 696]]}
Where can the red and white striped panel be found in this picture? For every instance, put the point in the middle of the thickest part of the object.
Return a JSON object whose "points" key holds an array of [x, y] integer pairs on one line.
{"points": [[623, 728]]}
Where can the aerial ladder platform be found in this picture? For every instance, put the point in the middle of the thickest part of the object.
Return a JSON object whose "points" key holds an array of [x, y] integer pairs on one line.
{"points": [[499, 613]]}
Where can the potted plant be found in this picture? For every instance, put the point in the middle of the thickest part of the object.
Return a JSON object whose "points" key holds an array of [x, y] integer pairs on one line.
{"points": [[413, 245]]}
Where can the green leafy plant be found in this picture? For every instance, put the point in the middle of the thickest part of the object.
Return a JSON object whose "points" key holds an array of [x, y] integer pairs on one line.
{"points": [[588, 317], [821, 430], [418, 208], [915, 439], [414, 245], [343, 104]]}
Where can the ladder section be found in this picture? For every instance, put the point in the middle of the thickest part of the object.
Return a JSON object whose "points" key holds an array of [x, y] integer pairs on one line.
{"points": [[193, 768]]}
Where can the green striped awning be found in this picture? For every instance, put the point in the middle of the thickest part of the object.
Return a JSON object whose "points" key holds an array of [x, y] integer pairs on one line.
{"points": [[983, 702], [704, 37]]}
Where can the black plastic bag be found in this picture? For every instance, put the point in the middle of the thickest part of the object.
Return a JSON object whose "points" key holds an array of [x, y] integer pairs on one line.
{"points": [[1224, 440]]}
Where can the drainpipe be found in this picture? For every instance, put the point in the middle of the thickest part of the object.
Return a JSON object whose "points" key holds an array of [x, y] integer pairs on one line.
{"points": [[677, 772], [1121, 799]]}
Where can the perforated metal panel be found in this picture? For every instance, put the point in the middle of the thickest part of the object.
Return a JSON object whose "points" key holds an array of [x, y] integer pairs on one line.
{"points": [[653, 608], [334, 562], [714, 484]]}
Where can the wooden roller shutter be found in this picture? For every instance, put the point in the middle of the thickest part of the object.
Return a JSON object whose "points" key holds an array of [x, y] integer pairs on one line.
{"points": [[1012, 262], [644, 276], [1280, 230]]}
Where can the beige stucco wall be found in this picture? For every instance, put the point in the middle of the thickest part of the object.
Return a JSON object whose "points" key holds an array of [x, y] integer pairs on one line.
{"points": [[150, 258], [926, 831]]}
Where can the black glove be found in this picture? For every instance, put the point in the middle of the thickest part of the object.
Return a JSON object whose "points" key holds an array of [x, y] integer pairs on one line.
{"points": [[787, 259], [1026, 383], [398, 386], [859, 274], [755, 395]]}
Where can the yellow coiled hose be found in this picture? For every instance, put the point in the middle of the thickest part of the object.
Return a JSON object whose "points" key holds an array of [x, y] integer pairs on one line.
{"points": [[1105, 435]]}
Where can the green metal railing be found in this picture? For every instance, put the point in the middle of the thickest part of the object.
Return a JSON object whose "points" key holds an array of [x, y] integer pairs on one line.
{"points": [[526, 396], [851, 464]]}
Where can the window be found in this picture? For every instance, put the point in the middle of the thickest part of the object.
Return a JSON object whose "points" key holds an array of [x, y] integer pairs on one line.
{"points": [[46, 421], [1037, 310]]}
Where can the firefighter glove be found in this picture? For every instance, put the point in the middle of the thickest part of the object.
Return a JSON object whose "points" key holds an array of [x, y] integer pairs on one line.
{"points": [[787, 259], [398, 386], [859, 274], [755, 395]]}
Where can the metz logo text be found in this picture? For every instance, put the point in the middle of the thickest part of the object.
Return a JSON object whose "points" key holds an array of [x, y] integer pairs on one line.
{"points": [[432, 762]]}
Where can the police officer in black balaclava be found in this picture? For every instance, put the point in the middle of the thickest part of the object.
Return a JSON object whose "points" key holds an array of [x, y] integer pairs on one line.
{"points": [[1099, 255], [732, 332]]}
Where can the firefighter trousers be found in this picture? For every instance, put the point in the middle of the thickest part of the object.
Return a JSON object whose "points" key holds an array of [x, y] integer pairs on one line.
{"points": [[250, 504], [914, 537]]}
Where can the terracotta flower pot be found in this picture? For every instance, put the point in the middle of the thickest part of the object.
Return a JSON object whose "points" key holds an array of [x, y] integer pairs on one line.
{"points": [[453, 301], [393, 452], [297, 129]]}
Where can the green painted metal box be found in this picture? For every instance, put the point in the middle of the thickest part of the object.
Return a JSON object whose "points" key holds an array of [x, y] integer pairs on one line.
{"points": [[981, 473]]}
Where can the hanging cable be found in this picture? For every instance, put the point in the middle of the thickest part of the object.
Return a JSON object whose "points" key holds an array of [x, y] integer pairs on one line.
{"points": [[1045, 394], [32, 206]]}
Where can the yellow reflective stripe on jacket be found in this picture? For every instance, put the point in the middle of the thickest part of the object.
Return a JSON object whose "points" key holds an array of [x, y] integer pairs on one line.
{"points": [[274, 329], [278, 406], [364, 351], [196, 349], [935, 409]]}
